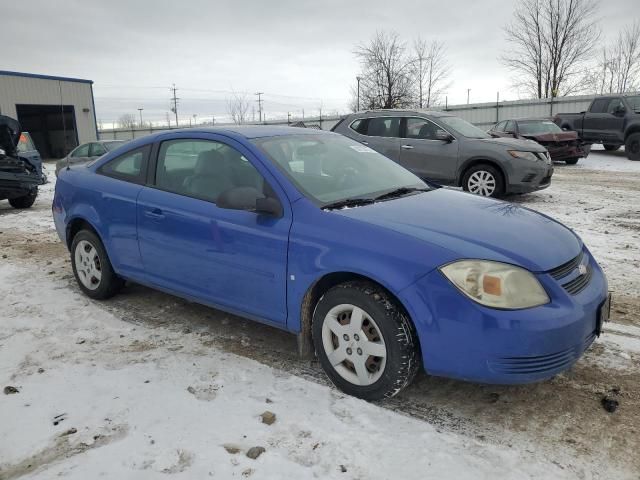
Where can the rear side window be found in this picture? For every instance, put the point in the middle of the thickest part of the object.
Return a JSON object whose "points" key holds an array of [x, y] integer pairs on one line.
{"points": [[381, 127], [97, 150], [130, 166], [599, 105], [360, 126]]}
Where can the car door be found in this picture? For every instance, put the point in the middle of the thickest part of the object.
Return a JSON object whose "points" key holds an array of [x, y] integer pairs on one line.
{"points": [[614, 121], [380, 133], [595, 121], [234, 259], [426, 155]]}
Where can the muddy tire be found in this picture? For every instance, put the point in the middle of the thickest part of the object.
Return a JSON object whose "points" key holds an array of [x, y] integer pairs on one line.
{"points": [[611, 148], [485, 180], [92, 268], [632, 146], [26, 201], [364, 340], [572, 161]]}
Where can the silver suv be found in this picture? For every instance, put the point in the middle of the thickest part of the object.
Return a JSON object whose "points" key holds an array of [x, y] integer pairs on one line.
{"points": [[446, 149]]}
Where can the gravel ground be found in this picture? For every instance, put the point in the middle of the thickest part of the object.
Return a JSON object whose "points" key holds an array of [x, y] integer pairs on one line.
{"points": [[561, 421]]}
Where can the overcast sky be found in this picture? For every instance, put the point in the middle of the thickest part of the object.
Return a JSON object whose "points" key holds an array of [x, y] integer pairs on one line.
{"points": [[300, 53]]}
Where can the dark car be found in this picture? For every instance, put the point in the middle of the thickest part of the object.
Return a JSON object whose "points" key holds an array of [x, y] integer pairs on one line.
{"points": [[446, 149], [319, 235], [87, 152], [562, 145], [613, 121], [19, 178]]}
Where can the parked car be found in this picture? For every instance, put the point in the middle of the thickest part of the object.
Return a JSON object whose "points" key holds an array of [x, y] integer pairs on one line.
{"points": [[317, 234], [87, 152], [19, 177], [27, 149], [562, 145], [443, 148], [613, 121]]}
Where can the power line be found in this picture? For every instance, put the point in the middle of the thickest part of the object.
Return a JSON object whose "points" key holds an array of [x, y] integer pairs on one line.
{"points": [[259, 94], [175, 99]]}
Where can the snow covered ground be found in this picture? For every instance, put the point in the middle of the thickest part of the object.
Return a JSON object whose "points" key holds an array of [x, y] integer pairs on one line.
{"points": [[146, 386]]}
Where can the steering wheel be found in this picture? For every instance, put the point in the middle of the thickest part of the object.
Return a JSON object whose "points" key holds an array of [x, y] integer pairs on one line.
{"points": [[345, 175]]}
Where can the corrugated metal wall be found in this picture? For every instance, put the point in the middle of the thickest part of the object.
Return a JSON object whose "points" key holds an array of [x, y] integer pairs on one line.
{"points": [[39, 91]]}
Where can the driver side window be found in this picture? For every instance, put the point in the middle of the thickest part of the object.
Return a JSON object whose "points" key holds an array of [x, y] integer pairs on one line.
{"points": [[81, 151], [421, 128]]}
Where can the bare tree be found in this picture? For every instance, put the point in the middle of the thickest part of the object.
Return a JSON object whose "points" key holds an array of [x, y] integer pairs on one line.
{"points": [[385, 72], [551, 40], [238, 108], [431, 72], [128, 120]]}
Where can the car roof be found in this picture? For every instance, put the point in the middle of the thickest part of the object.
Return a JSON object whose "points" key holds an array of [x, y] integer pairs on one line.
{"points": [[247, 131], [526, 119], [401, 111]]}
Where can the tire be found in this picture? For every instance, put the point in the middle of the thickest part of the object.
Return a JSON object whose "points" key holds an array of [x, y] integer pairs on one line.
{"points": [[632, 146], [384, 329], [92, 268], [484, 179], [26, 201], [572, 161], [611, 148]]}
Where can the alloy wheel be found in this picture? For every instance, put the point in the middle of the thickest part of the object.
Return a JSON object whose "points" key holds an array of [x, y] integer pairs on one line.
{"points": [[354, 344]]}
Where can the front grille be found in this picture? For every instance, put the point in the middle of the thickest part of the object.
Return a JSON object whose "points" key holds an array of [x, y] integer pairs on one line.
{"points": [[541, 363], [527, 178], [578, 284], [566, 268]]}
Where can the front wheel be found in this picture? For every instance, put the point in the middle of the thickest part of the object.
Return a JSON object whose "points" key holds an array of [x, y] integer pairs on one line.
{"points": [[483, 180], [365, 342], [611, 148], [572, 161], [92, 268], [632, 146], [26, 201]]}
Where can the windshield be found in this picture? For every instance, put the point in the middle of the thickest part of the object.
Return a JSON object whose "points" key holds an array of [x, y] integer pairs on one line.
{"points": [[25, 144], [535, 127], [634, 102], [330, 168], [463, 127]]}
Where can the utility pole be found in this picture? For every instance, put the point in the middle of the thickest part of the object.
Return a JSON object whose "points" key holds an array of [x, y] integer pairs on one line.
{"points": [[166, 114], [140, 110], [288, 118], [174, 100], [213, 120], [468, 91], [259, 94], [358, 78], [195, 119]]}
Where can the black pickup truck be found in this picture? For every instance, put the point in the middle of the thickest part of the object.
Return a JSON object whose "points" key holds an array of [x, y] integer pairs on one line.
{"points": [[612, 120], [19, 177]]}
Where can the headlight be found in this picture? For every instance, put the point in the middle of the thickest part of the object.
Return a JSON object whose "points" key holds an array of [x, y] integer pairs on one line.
{"points": [[495, 284], [524, 155]]}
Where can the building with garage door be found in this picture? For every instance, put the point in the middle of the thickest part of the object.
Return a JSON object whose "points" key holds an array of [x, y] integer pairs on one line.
{"points": [[58, 112]]}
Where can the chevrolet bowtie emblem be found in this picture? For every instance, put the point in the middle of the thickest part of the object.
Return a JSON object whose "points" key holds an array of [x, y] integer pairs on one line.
{"points": [[582, 269]]}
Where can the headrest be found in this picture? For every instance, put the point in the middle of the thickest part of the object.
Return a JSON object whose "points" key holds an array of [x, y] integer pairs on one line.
{"points": [[210, 162]]}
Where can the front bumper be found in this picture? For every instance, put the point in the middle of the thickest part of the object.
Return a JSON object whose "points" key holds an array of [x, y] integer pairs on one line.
{"points": [[462, 339], [530, 179]]}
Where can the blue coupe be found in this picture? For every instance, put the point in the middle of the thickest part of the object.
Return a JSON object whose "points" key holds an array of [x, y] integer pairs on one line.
{"points": [[317, 234]]}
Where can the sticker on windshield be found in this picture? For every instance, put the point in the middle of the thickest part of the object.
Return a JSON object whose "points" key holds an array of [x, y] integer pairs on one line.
{"points": [[362, 149]]}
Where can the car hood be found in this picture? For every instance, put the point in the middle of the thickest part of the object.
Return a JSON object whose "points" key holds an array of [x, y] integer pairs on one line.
{"points": [[514, 143], [553, 137], [470, 226], [10, 131]]}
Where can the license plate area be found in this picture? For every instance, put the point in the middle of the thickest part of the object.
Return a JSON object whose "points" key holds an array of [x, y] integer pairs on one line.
{"points": [[604, 312]]}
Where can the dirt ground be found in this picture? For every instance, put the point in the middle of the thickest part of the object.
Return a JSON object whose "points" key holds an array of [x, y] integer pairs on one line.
{"points": [[561, 416]]}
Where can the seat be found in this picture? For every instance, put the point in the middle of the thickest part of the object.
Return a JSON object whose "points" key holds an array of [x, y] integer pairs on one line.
{"points": [[377, 128], [211, 176]]}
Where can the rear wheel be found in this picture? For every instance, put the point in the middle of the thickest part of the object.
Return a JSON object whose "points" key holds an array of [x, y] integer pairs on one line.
{"points": [[632, 146], [92, 268], [572, 160], [483, 180], [25, 201], [364, 341], [611, 148]]}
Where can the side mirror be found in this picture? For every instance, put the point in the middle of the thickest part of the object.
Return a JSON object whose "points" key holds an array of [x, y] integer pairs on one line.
{"points": [[250, 199], [620, 111], [444, 136]]}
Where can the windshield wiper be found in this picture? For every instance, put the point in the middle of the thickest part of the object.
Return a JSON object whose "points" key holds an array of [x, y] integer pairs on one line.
{"points": [[348, 202], [400, 192]]}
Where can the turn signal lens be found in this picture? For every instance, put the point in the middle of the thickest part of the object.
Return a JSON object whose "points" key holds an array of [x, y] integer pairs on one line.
{"points": [[496, 284]]}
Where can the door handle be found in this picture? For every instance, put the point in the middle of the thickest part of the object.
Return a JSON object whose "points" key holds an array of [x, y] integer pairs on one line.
{"points": [[407, 147], [365, 143], [156, 214]]}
